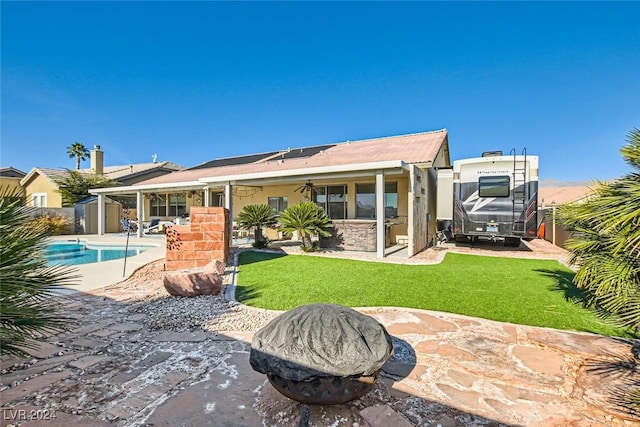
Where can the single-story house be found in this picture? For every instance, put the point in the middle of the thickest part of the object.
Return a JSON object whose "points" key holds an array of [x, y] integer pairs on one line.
{"points": [[376, 191], [41, 189]]}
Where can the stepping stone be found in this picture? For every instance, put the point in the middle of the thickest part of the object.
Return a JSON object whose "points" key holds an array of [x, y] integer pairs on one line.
{"points": [[42, 350], [86, 361], [182, 337]]}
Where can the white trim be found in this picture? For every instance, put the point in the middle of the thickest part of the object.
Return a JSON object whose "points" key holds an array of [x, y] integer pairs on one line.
{"points": [[393, 164], [42, 200], [341, 171], [191, 185]]}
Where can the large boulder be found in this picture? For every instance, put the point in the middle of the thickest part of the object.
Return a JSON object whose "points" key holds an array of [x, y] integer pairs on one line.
{"points": [[320, 341], [204, 281]]}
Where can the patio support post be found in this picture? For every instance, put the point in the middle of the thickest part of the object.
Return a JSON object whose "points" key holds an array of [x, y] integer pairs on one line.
{"points": [[101, 214], [140, 211], [380, 228], [206, 197], [228, 203]]}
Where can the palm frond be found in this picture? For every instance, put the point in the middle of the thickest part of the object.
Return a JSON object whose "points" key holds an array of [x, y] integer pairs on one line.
{"points": [[28, 306], [605, 242]]}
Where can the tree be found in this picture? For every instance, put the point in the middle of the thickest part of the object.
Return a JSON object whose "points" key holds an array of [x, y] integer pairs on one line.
{"points": [[79, 151], [255, 217], [306, 218], [605, 242], [74, 186], [28, 306]]}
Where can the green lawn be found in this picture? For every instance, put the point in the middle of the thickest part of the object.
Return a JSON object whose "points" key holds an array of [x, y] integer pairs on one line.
{"points": [[524, 291]]}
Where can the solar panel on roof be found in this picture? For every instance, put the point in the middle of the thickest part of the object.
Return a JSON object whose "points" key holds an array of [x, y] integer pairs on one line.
{"points": [[230, 161]]}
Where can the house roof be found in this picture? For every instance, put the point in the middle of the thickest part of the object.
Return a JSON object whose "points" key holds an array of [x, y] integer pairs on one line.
{"points": [[115, 173], [127, 171], [417, 148], [238, 160], [11, 172], [560, 195]]}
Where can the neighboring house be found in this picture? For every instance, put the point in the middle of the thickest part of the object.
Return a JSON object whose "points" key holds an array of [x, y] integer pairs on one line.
{"points": [[550, 198], [10, 179], [42, 191], [376, 191]]}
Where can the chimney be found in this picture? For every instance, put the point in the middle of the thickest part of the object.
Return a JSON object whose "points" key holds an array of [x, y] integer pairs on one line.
{"points": [[97, 160]]}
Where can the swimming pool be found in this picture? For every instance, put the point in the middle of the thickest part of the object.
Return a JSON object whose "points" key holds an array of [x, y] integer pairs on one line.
{"points": [[72, 253]]}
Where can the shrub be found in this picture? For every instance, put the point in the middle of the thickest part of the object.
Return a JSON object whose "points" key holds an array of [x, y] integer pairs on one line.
{"points": [[307, 219], [28, 306], [54, 224], [255, 217]]}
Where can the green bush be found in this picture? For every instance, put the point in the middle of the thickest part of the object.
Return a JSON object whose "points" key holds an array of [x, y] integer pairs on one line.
{"points": [[256, 217], [307, 219], [28, 306]]}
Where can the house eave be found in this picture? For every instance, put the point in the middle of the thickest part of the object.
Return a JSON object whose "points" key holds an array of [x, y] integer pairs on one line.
{"points": [[359, 169], [262, 178], [132, 189]]}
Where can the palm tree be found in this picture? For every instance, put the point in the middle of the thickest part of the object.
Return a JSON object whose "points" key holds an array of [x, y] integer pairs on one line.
{"points": [[605, 242], [307, 218], [255, 217], [79, 151], [28, 306]]}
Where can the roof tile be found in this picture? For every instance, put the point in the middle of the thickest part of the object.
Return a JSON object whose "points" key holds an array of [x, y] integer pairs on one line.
{"points": [[410, 148]]}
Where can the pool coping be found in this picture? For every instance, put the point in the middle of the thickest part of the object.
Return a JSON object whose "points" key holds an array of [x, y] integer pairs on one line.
{"points": [[100, 274]]}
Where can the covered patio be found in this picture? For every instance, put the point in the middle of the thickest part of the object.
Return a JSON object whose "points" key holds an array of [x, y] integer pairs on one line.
{"points": [[378, 192]]}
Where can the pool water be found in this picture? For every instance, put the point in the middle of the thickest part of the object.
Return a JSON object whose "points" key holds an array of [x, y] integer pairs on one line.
{"points": [[82, 253]]}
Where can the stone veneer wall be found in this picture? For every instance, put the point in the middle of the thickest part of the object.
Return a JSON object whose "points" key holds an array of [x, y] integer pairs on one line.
{"points": [[352, 236], [204, 239]]}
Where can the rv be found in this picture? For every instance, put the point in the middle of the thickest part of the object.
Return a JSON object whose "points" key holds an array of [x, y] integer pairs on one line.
{"points": [[492, 197]]}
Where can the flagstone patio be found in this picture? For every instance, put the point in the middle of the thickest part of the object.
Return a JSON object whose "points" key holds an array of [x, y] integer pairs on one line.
{"points": [[121, 366]]}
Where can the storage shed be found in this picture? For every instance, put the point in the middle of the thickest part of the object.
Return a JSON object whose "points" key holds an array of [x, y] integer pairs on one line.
{"points": [[87, 216]]}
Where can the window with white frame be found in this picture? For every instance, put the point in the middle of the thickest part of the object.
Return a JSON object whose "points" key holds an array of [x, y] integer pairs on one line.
{"points": [[278, 203], [366, 200], [174, 204], [217, 200], [177, 204], [158, 205], [39, 200], [333, 199]]}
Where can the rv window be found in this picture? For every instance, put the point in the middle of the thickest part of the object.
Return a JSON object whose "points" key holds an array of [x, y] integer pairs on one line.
{"points": [[493, 186]]}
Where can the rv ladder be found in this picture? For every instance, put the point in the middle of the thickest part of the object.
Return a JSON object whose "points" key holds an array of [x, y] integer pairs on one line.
{"points": [[520, 190]]}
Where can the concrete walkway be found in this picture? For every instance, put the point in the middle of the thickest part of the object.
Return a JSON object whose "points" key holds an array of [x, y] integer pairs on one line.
{"points": [[100, 274]]}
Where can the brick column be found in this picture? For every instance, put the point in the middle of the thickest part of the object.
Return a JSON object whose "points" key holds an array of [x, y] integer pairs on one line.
{"points": [[204, 239]]}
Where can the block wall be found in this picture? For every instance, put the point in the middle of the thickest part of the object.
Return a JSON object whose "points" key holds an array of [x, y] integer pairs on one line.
{"points": [[204, 239], [352, 235]]}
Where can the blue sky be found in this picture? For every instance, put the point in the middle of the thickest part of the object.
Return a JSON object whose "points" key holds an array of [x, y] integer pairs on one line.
{"points": [[196, 81]]}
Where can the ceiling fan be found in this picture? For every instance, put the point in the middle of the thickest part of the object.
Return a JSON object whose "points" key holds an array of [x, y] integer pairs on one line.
{"points": [[307, 188]]}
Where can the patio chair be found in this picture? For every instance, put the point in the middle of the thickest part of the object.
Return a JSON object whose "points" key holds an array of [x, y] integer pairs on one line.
{"points": [[154, 225]]}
